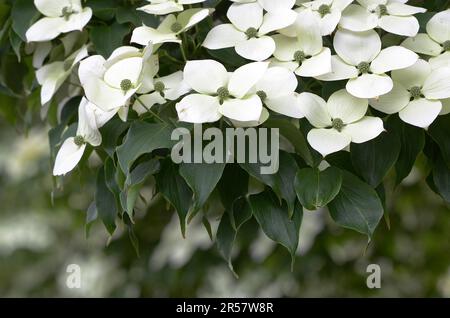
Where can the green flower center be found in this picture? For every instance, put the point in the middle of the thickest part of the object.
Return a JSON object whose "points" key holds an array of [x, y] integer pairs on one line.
{"points": [[338, 124], [176, 27], [382, 10], [415, 92], [223, 93], [324, 10], [160, 87], [126, 85], [262, 95], [79, 141], [446, 45], [364, 67], [299, 57], [251, 33], [67, 12]]}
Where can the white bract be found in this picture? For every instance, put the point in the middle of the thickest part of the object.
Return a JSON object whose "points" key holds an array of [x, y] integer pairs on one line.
{"points": [[304, 54], [165, 88], [110, 84], [393, 16], [162, 7], [170, 29], [219, 93], [248, 30], [361, 60], [270, 5], [338, 122], [61, 16], [327, 12], [53, 75], [416, 94], [437, 38], [90, 119]]}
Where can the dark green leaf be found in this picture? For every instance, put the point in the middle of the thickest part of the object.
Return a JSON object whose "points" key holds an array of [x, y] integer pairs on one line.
{"points": [[23, 15], [107, 38], [105, 203], [440, 132]]}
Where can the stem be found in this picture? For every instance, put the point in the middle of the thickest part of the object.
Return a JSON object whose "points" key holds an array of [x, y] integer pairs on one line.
{"points": [[150, 111], [183, 52]]}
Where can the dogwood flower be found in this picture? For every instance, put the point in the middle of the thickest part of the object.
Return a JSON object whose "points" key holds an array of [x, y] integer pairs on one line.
{"points": [[361, 60], [393, 16], [276, 89], [338, 122], [165, 88], [439, 62], [270, 5], [61, 16], [305, 55], [53, 75], [219, 93], [416, 94], [162, 7], [437, 39], [170, 28], [327, 12], [90, 119], [248, 30], [110, 84]]}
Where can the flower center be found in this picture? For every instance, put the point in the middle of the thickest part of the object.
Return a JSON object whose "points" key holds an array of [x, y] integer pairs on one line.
{"points": [[324, 10], [160, 87], [364, 67], [251, 33], [382, 10], [415, 92], [79, 141], [223, 93], [446, 45], [338, 124], [299, 57], [66, 12], [126, 85], [176, 27], [262, 95]]}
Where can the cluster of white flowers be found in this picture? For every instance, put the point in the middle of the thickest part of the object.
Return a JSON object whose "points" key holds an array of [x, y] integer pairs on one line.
{"points": [[284, 43]]}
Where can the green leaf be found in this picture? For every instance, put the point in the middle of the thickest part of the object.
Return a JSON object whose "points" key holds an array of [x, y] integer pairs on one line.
{"points": [[202, 178], [232, 185], [294, 136], [23, 15], [143, 138], [282, 182], [107, 38], [357, 206], [228, 229], [373, 159], [412, 141], [315, 188], [111, 132], [175, 190], [440, 132], [274, 220], [16, 44], [137, 18], [228, 56], [103, 9], [105, 203], [441, 178]]}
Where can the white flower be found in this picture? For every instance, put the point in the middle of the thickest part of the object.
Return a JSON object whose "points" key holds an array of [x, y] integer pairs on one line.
{"points": [[361, 59], [393, 16], [248, 30], [416, 94], [162, 7], [220, 93], [110, 84], [61, 16], [437, 38], [170, 28], [339, 122], [438, 62], [327, 12], [276, 89], [90, 119], [53, 75], [165, 88], [271, 5], [304, 54]]}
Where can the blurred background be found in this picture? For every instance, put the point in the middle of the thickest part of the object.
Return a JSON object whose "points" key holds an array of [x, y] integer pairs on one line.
{"points": [[42, 231]]}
